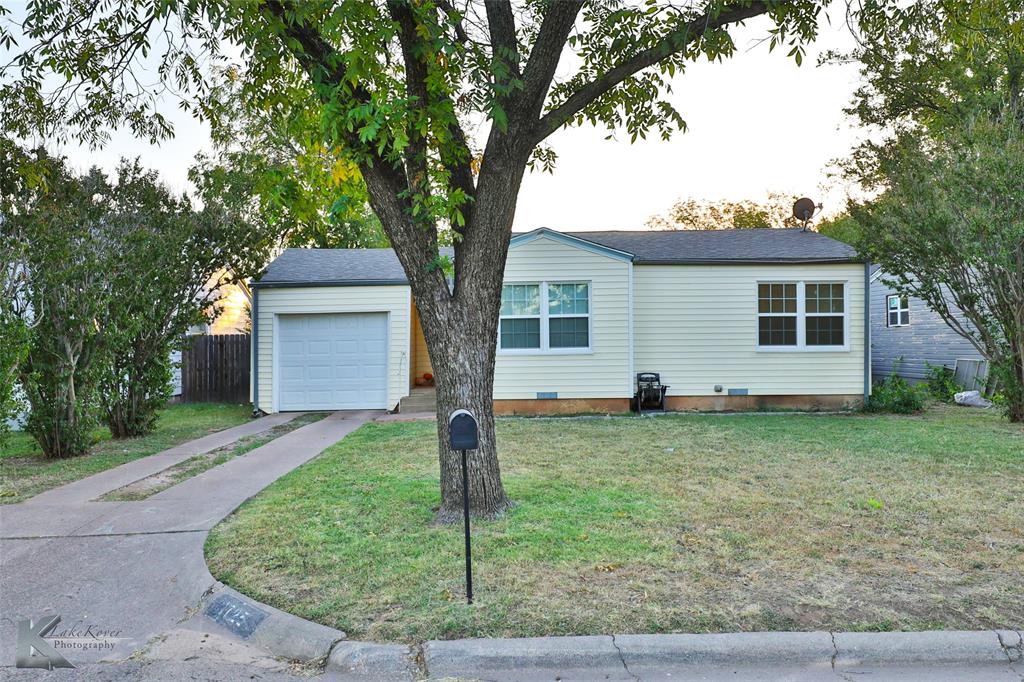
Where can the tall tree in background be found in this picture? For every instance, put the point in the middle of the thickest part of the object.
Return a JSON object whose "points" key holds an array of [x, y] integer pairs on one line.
{"points": [[170, 261], [696, 214], [19, 179], [401, 87], [948, 223], [68, 270]]}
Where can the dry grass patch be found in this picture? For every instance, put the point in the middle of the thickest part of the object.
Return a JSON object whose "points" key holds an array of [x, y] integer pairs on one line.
{"points": [[679, 523]]}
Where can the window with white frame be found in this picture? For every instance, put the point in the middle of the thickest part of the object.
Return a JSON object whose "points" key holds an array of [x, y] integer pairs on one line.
{"points": [[777, 314], [825, 310], [546, 316], [520, 316], [802, 315], [897, 310]]}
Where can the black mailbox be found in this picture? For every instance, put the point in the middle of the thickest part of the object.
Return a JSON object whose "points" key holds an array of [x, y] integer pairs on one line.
{"points": [[462, 430]]}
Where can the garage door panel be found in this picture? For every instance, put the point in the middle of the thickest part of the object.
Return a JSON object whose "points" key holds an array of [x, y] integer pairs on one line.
{"points": [[332, 361]]}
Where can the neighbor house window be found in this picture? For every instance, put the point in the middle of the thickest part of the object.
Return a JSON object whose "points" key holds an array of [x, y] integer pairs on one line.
{"points": [[898, 310], [547, 316], [520, 316], [801, 315], [776, 310], [824, 306]]}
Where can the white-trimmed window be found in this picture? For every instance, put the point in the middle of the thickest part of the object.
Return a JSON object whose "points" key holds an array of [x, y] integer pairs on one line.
{"points": [[825, 310], [802, 316], [520, 316], [545, 316], [776, 314], [897, 309]]}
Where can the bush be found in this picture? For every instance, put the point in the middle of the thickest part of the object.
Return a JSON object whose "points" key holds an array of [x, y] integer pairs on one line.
{"points": [[940, 383], [894, 394]]}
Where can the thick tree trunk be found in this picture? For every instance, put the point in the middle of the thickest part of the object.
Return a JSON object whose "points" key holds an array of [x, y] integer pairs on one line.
{"points": [[464, 380], [460, 322]]}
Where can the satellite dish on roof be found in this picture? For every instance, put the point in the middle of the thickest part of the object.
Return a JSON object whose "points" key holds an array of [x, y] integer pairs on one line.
{"points": [[803, 209]]}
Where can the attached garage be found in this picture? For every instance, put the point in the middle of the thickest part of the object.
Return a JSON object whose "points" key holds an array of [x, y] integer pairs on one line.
{"points": [[332, 331]]}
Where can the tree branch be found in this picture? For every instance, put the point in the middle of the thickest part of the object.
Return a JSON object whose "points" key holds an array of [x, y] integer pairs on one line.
{"points": [[547, 49], [502, 26], [672, 43]]}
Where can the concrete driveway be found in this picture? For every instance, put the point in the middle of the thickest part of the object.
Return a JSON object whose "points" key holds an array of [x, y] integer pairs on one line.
{"points": [[134, 570]]}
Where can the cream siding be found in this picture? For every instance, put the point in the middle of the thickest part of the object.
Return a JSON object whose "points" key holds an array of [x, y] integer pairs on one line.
{"points": [[697, 326], [601, 373], [394, 300]]}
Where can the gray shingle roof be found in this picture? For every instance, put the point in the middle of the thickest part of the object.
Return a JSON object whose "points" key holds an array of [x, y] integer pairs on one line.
{"points": [[724, 246], [381, 266]]}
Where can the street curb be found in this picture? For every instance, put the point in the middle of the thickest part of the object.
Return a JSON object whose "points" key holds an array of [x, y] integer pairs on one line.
{"points": [[595, 654], [938, 647], [293, 638], [370, 661], [280, 633]]}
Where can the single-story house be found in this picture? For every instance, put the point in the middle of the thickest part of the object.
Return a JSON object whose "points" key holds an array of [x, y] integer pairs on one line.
{"points": [[907, 336], [731, 319]]}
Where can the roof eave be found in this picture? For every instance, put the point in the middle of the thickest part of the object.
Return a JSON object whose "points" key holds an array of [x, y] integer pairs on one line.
{"points": [[331, 283], [745, 261]]}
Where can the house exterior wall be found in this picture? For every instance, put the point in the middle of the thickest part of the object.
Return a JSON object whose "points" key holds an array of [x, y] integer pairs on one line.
{"points": [[697, 326], [603, 371], [927, 339], [394, 300]]}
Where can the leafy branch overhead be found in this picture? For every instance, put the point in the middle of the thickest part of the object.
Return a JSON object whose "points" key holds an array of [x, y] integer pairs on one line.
{"points": [[400, 82]]}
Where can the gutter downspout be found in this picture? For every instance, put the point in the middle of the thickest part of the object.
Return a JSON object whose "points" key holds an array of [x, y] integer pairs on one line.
{"points": [[255, 379], [867, 331]]}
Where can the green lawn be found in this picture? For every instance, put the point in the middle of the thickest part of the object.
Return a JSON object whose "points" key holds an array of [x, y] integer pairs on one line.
{"points": [[673, 524], [24, 472]]}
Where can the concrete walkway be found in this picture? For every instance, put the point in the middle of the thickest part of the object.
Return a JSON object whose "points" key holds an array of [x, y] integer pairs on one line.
{"points": [[136, 567]]}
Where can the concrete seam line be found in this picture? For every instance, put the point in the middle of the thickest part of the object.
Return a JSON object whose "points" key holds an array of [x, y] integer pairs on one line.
{"points": [[419, 659], [109, 535], [623, 659]]}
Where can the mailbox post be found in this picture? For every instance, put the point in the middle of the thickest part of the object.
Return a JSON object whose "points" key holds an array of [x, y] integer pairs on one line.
{"points": [[463, 436]]}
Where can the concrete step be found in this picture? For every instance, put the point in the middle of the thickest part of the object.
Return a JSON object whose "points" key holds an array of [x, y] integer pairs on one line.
{"points": [[419, 400]]}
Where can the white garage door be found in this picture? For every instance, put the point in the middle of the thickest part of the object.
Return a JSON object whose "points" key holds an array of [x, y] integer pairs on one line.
{"points": [[332, 361]]}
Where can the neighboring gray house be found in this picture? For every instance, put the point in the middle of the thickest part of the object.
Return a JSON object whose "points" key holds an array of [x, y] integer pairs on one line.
{"points": [[906, 333]]}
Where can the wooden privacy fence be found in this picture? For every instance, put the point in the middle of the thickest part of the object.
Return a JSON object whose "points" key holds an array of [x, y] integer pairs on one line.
{"points": [[216, 369]]}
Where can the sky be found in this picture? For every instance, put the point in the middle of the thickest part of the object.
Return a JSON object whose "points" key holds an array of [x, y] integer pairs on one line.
{"points": [[757, 123]]}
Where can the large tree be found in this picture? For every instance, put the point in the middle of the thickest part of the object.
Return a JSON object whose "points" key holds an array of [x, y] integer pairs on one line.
{"points": [[947, 91], [442, 105]]}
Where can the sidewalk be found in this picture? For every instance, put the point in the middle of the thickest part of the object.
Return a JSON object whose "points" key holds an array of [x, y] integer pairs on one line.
{"points": [[136, 567]]}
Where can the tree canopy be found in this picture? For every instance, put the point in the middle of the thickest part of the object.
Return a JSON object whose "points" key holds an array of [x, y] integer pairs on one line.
{"points": [[696, 214]]}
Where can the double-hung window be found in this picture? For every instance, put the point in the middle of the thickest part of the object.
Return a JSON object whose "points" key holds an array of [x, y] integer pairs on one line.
{"points": [[545, 317], [776, 314], [825, 308], [520, 316], [802, 316], [897, 310]]}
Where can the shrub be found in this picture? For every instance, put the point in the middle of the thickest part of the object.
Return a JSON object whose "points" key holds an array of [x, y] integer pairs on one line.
{"points": [[894, 394], [940, 382]]}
